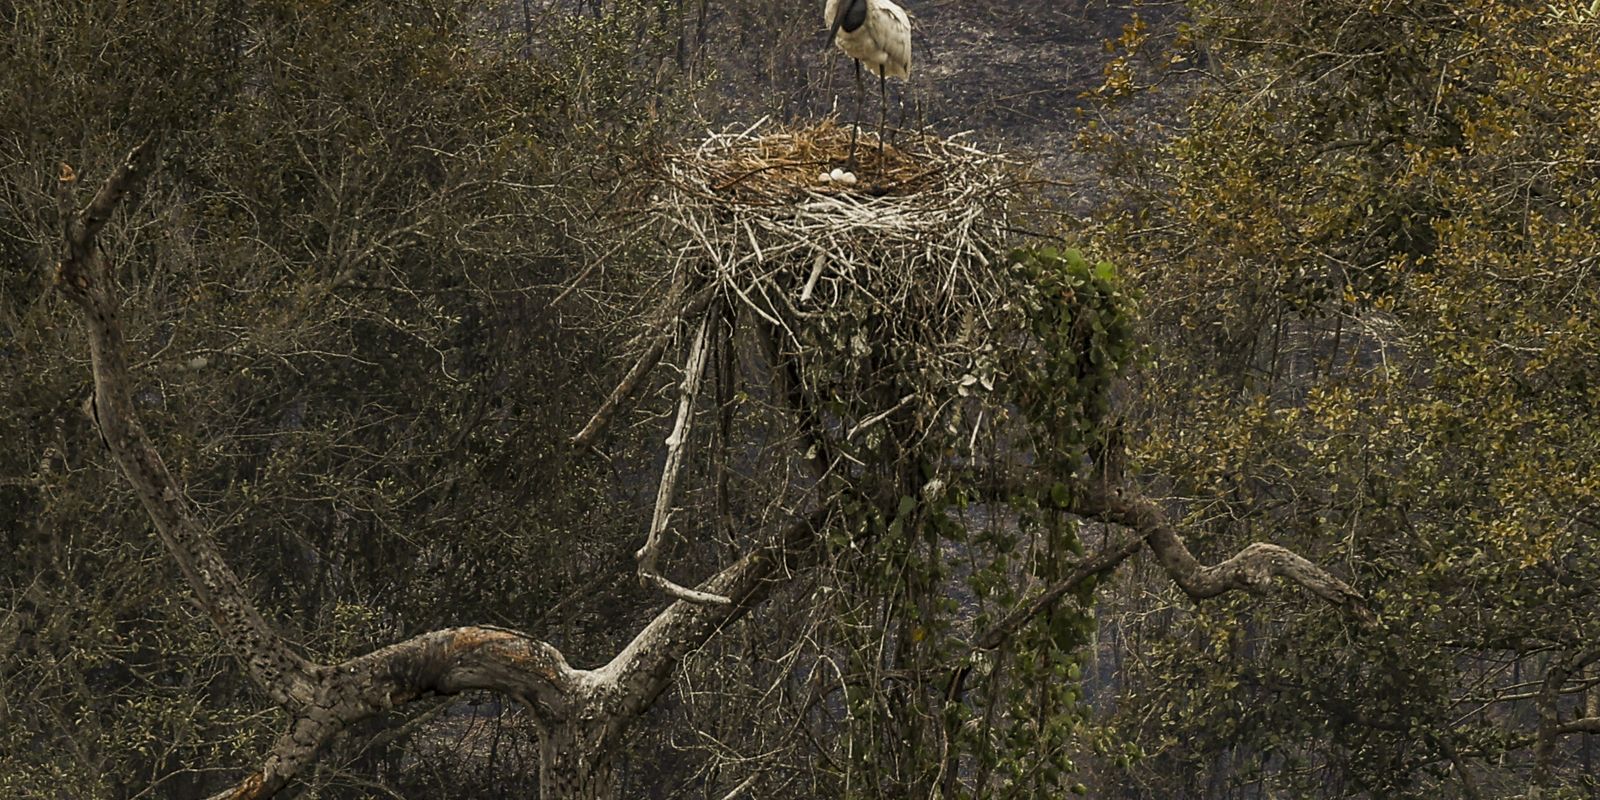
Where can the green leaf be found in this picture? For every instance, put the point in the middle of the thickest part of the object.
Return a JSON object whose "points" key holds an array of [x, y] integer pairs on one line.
{"points": [[907, 505], [1060, 495]]}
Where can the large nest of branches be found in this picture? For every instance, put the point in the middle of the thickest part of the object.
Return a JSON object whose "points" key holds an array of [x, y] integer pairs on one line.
{"points": [[893, 282], [884, 301], [889, 318]]}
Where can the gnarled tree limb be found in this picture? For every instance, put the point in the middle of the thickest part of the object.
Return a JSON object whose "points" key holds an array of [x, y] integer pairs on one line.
{"points": [[530, 671], [322, 699], [1252, 569], [442, 662]]}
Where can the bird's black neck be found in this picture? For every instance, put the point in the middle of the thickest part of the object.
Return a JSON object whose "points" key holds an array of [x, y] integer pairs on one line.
{"points": [[851, 17]]}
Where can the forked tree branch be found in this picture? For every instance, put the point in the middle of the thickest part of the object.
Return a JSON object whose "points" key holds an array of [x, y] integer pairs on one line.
{"points": [[532, 672], [644, 668], [322, 699], [325, 700]]}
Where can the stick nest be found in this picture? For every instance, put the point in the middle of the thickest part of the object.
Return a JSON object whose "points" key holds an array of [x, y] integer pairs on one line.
{"points": [[896, 283]]}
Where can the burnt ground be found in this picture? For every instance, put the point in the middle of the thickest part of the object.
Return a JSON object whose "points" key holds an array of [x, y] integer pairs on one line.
{"points": [[1019, 74], [1013, 73]]}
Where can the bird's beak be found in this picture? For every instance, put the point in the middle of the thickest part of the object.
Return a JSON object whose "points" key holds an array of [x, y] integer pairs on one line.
{"points": [[838, 22]]}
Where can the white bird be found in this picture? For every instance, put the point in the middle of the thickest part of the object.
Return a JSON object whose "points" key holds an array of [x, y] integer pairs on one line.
{"points": [[876, 33]]}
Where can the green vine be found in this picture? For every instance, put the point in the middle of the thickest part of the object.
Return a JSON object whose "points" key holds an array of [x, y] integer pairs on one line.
{"points": [[918, 526]]}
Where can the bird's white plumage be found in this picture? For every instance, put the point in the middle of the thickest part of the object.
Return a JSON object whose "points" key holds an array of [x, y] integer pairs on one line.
{"points": [[882, 43]]}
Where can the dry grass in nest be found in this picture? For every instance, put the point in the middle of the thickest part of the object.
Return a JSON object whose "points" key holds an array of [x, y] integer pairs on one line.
{"points": [[782, 164]]}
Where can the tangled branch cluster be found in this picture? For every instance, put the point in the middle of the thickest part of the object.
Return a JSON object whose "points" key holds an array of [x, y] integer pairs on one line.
{"points": [[902, 271]]}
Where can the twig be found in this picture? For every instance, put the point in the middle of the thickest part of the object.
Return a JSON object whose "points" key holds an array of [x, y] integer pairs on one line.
{"points": [[879, 417], [816, 272]]}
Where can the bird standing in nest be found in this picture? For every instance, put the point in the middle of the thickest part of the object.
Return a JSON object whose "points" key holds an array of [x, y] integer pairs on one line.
{"points": [[876, 33]]}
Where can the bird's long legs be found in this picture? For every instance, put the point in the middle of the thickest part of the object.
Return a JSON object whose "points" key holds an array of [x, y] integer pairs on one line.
{"points": [[861, 89], [883, 112]]}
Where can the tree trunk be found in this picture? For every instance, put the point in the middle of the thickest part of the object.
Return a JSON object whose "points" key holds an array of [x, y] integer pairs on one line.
{"points": [[575, 762]]}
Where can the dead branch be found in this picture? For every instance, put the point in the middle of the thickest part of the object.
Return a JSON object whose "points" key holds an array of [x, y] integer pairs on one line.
{"points": [[677, 446], [647, 361]]}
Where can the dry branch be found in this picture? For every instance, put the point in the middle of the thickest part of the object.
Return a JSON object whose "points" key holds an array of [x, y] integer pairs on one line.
{"points": [[1252, 569], [646, 362], [677, 446], [323, 700], [84, 276]]}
